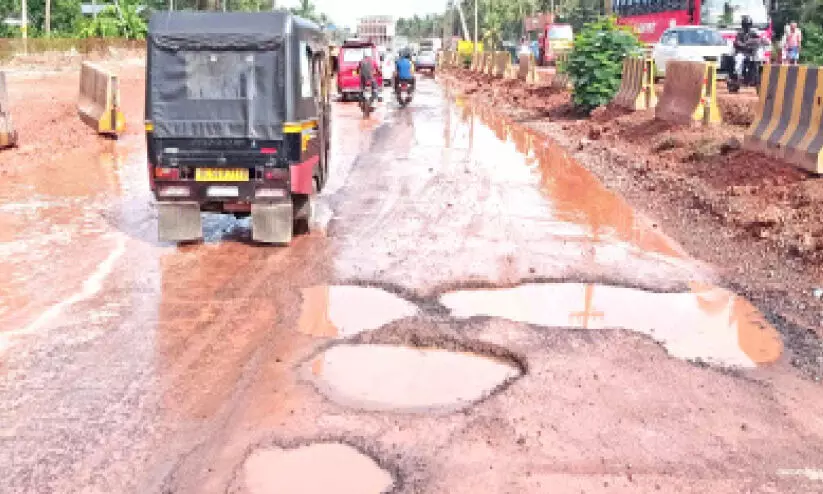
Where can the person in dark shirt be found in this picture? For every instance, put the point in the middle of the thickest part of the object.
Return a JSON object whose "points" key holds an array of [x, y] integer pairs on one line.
{"points": [[367, 75]]}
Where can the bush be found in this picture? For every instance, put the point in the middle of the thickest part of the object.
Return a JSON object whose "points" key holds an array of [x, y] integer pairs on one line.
{"points": [[596, 62], [812, 50]]}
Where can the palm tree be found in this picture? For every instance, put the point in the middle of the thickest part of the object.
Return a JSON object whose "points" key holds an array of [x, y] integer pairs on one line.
{"points": [[306, 10]]}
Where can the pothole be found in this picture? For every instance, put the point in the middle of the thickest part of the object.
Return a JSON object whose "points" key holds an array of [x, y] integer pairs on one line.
{"points": [[318, 468], [387, 377], [342, 311], [708, 324]]}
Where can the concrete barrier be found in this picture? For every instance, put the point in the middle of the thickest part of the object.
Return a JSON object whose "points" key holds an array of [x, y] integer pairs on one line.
{"points": [[502, 62], [789, 114], [99, 101], [527, 69], [8, 136], [689, 94], [561, 78], [637, 85]]}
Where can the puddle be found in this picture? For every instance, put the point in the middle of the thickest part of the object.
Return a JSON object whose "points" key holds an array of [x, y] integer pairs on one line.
{"points": [[386, 377], [342, 311], [314, 469], [709, 323]]}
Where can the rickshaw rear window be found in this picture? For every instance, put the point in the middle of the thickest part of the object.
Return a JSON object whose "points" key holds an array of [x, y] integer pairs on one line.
{"points": [[218, 75], [355, 55]]}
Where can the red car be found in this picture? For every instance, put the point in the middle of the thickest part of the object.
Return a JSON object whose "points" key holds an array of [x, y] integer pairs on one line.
{"points": [[351, 54]]}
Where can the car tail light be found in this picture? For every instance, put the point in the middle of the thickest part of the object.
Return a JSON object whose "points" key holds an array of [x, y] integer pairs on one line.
{"points": [[166, 173]]}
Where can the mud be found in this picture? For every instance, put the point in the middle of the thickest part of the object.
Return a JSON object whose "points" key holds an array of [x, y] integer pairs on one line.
{"points": [[165, 368], [314, 469], [343, 311], [708, 325], [765, 212], [407, 379]]}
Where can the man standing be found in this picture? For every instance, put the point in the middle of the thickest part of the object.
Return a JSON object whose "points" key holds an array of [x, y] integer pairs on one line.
{"points": [[792, 40]]}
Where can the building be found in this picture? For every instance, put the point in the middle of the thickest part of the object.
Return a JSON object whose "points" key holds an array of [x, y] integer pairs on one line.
{"points": [[379, 29]]}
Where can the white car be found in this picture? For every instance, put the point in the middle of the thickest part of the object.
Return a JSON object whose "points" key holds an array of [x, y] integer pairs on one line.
{"points": [[426, 60], [690, 43], [387, 61]]}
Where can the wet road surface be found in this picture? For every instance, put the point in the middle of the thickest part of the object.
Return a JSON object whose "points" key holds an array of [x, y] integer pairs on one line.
{"points": [[473, 312]]}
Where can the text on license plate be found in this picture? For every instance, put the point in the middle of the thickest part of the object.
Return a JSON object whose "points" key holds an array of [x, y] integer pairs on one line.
{"points": [[222, 175]]}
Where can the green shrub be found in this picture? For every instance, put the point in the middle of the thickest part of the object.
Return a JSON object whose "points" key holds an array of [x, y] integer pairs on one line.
{"points": [[596, 62], [812, 50]]}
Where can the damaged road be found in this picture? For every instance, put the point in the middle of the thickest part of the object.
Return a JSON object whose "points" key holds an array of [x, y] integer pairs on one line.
{"points": [[473, 311]]}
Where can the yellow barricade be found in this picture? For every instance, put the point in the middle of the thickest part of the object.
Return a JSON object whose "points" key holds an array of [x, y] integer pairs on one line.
{"points": [[689, 94], [561, 78], [637, 85], [99, 101], [502, 62], [8, 136], [788, 122]]}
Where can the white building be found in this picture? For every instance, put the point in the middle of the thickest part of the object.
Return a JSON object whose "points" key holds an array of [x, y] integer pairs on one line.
{"points": [[379, 29]]}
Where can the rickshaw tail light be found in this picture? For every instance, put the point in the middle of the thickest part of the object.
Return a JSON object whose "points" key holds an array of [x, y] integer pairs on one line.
{"points": [[268, 150]]}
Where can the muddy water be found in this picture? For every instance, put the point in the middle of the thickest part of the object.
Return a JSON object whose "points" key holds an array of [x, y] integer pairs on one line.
{"points": [[341, 311], [384, 377], [708, 323], [315, 469]]}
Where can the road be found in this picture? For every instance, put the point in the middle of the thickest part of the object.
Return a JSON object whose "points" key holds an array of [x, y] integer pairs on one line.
{"points": [[472, 312]]}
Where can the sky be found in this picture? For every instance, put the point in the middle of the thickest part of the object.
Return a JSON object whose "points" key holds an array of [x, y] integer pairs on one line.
{"points": [[346, 12]]}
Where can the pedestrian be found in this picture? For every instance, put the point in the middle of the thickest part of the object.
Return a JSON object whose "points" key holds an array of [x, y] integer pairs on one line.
{"points": [[792, 41]]}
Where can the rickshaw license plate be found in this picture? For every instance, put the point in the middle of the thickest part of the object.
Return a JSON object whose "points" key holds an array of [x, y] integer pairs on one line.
{"points": [[222, 175]]}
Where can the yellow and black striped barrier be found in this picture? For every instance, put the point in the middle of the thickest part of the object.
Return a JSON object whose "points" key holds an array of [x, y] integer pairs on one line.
{"points": [[789, 114], [99, 102], [689, 94], [8, 136], [637, 85]]}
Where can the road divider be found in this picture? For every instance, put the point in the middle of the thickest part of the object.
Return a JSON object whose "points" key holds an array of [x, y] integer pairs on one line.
{"points": [[8, 136], [689, 94], [561, 79], [502, 62], [637, 85], [99, 102], [788, 120], [527, 69]]}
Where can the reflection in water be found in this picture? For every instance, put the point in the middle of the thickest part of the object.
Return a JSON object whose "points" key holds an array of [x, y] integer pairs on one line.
{"points": [[384, 377], [314, 469], [341, 311], [709, 323], [576, 196]]}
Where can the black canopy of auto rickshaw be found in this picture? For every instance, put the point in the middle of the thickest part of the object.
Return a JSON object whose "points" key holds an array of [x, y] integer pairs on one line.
{"points": [[230, 74]]}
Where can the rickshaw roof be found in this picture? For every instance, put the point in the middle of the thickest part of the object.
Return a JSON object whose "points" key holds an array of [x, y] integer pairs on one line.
{"points": [[228, 28]]}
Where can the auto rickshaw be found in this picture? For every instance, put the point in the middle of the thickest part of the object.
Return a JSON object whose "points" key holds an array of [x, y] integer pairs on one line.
{"points": [[237, 120], [348, 77]]}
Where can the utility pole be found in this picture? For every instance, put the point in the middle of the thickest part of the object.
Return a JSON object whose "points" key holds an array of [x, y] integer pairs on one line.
{"points": [[475, 26], [48, 17], [24, 20]]}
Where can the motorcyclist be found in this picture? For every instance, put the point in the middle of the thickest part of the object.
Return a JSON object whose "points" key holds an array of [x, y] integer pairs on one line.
{"points": [[404, 70], [746, 44], [367, 71]]}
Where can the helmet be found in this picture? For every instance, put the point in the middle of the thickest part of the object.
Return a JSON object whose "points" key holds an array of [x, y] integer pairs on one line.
{"points": [[405, 53], [746, 22]]}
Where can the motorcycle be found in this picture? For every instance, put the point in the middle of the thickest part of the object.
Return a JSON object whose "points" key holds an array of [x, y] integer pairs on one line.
{"points": [[745, 69], [403, 91], [367, 103]]}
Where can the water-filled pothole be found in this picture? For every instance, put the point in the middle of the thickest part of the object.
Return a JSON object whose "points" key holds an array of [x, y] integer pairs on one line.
{"points": [[341, 311], [709, 323], [388, 377], [319, 468]]}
